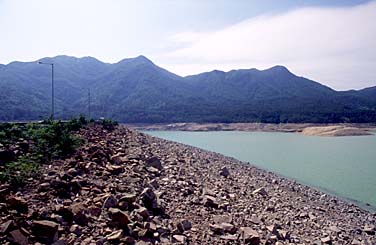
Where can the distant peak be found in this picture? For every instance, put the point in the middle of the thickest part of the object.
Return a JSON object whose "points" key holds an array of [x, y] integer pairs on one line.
{"points": [[139, 59], [278, 68]]}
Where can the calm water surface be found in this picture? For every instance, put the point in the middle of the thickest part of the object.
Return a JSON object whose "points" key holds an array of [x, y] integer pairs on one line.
{"points": [[343, 166]]}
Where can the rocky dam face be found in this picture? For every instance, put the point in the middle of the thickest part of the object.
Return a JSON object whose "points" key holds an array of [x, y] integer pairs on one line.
{"points": [[124, 187]]}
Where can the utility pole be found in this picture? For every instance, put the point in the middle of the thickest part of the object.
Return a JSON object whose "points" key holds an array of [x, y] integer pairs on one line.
{"points": [[89, 102], [52, 88]]}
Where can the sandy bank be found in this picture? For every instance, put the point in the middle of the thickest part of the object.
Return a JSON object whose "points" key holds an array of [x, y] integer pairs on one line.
{"points": [[305, 128], [335, 131]]}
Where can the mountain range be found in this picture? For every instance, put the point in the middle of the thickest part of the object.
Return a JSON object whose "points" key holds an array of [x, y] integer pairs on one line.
{"points": [[135, 90]]}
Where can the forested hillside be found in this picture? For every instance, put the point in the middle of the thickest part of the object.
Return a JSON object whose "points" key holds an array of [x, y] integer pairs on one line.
{"points": [[137, 90]]}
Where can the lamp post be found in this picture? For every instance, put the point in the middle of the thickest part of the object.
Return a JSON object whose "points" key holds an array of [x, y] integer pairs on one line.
{"points": [[52, 88], [89, 102]]}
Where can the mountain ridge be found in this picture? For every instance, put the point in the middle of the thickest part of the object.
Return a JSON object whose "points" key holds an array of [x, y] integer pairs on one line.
{"points": [[137, 90]]}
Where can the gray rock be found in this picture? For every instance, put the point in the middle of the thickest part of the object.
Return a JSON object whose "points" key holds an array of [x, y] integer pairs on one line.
{"points": [[46, 230], [249, 236], [224, 172], [261, 191], [110, 202], [210, 201], [154, 162], [119, 218], [115, 236], [184, 225], [19, 238], [149, 198]]}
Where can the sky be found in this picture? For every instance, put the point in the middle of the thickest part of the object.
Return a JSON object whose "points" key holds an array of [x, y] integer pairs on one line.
{"points": [[332, 42]]}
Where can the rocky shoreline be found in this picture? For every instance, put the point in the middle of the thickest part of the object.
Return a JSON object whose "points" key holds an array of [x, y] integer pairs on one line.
{"points": [[125, 187]]}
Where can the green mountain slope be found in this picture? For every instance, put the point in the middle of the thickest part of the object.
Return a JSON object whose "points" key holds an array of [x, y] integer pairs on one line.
{"points": [[137, 90]]}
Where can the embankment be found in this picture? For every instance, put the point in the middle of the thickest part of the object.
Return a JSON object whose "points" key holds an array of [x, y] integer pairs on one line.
{"points": [[125, 187]]}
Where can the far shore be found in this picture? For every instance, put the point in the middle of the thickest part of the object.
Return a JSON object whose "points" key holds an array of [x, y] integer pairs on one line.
{"points": [[311, 129]]}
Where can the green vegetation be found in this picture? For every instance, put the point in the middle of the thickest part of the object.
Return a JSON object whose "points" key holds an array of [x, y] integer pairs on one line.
{"points": [[15, 173], [108, 124], [35, 144]]}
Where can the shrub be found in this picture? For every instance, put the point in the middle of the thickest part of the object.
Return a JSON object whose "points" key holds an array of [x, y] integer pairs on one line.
{"points": [[54, 140], [51, 140], [109, 124], [16, 173]]}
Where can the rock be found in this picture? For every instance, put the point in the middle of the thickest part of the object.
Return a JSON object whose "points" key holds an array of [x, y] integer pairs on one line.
{"points": [[149, 198], [326, 240], [229, 237], [143, 212], [66, 213], [94, 211], [184, 225], [223, 228], [79, 214], [283, 234], [45, 230], [143, 243], [153, 170], [261, 191], [154, 162], [110, 202], [114, 169], [229, 228], [119, 218], [369, 229], [249, 236], [17, 203], [154, 184], [218, 219], [210, 201], [7, 226], [179, 238], [118, 159], [271, 228], [128, 240], [18, 237], [334, 228], [129, 198], [216, 228], [115, 236], [75, 229], [224, 172], [255, 220]]}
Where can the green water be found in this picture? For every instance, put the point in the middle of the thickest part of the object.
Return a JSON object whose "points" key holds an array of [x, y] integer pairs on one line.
{"points": [[343, 166]]}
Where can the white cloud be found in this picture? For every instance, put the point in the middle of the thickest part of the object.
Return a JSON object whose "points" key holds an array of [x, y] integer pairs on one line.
{"points": [[335, 46]]}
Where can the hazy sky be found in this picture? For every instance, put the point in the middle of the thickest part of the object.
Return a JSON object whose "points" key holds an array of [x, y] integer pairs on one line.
{"points": [[333, 42]]}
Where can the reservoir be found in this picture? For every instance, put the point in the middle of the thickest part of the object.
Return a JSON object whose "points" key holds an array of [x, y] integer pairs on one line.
{"points": [[341, 166]]}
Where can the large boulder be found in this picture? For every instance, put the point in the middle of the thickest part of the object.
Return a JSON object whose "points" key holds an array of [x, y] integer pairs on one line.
{"points": [[45, 230], [110, 202], [119, 218], [149, 198], [154, 162], [184, 225], [249, 236], [224, 172], [17, 203]]}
